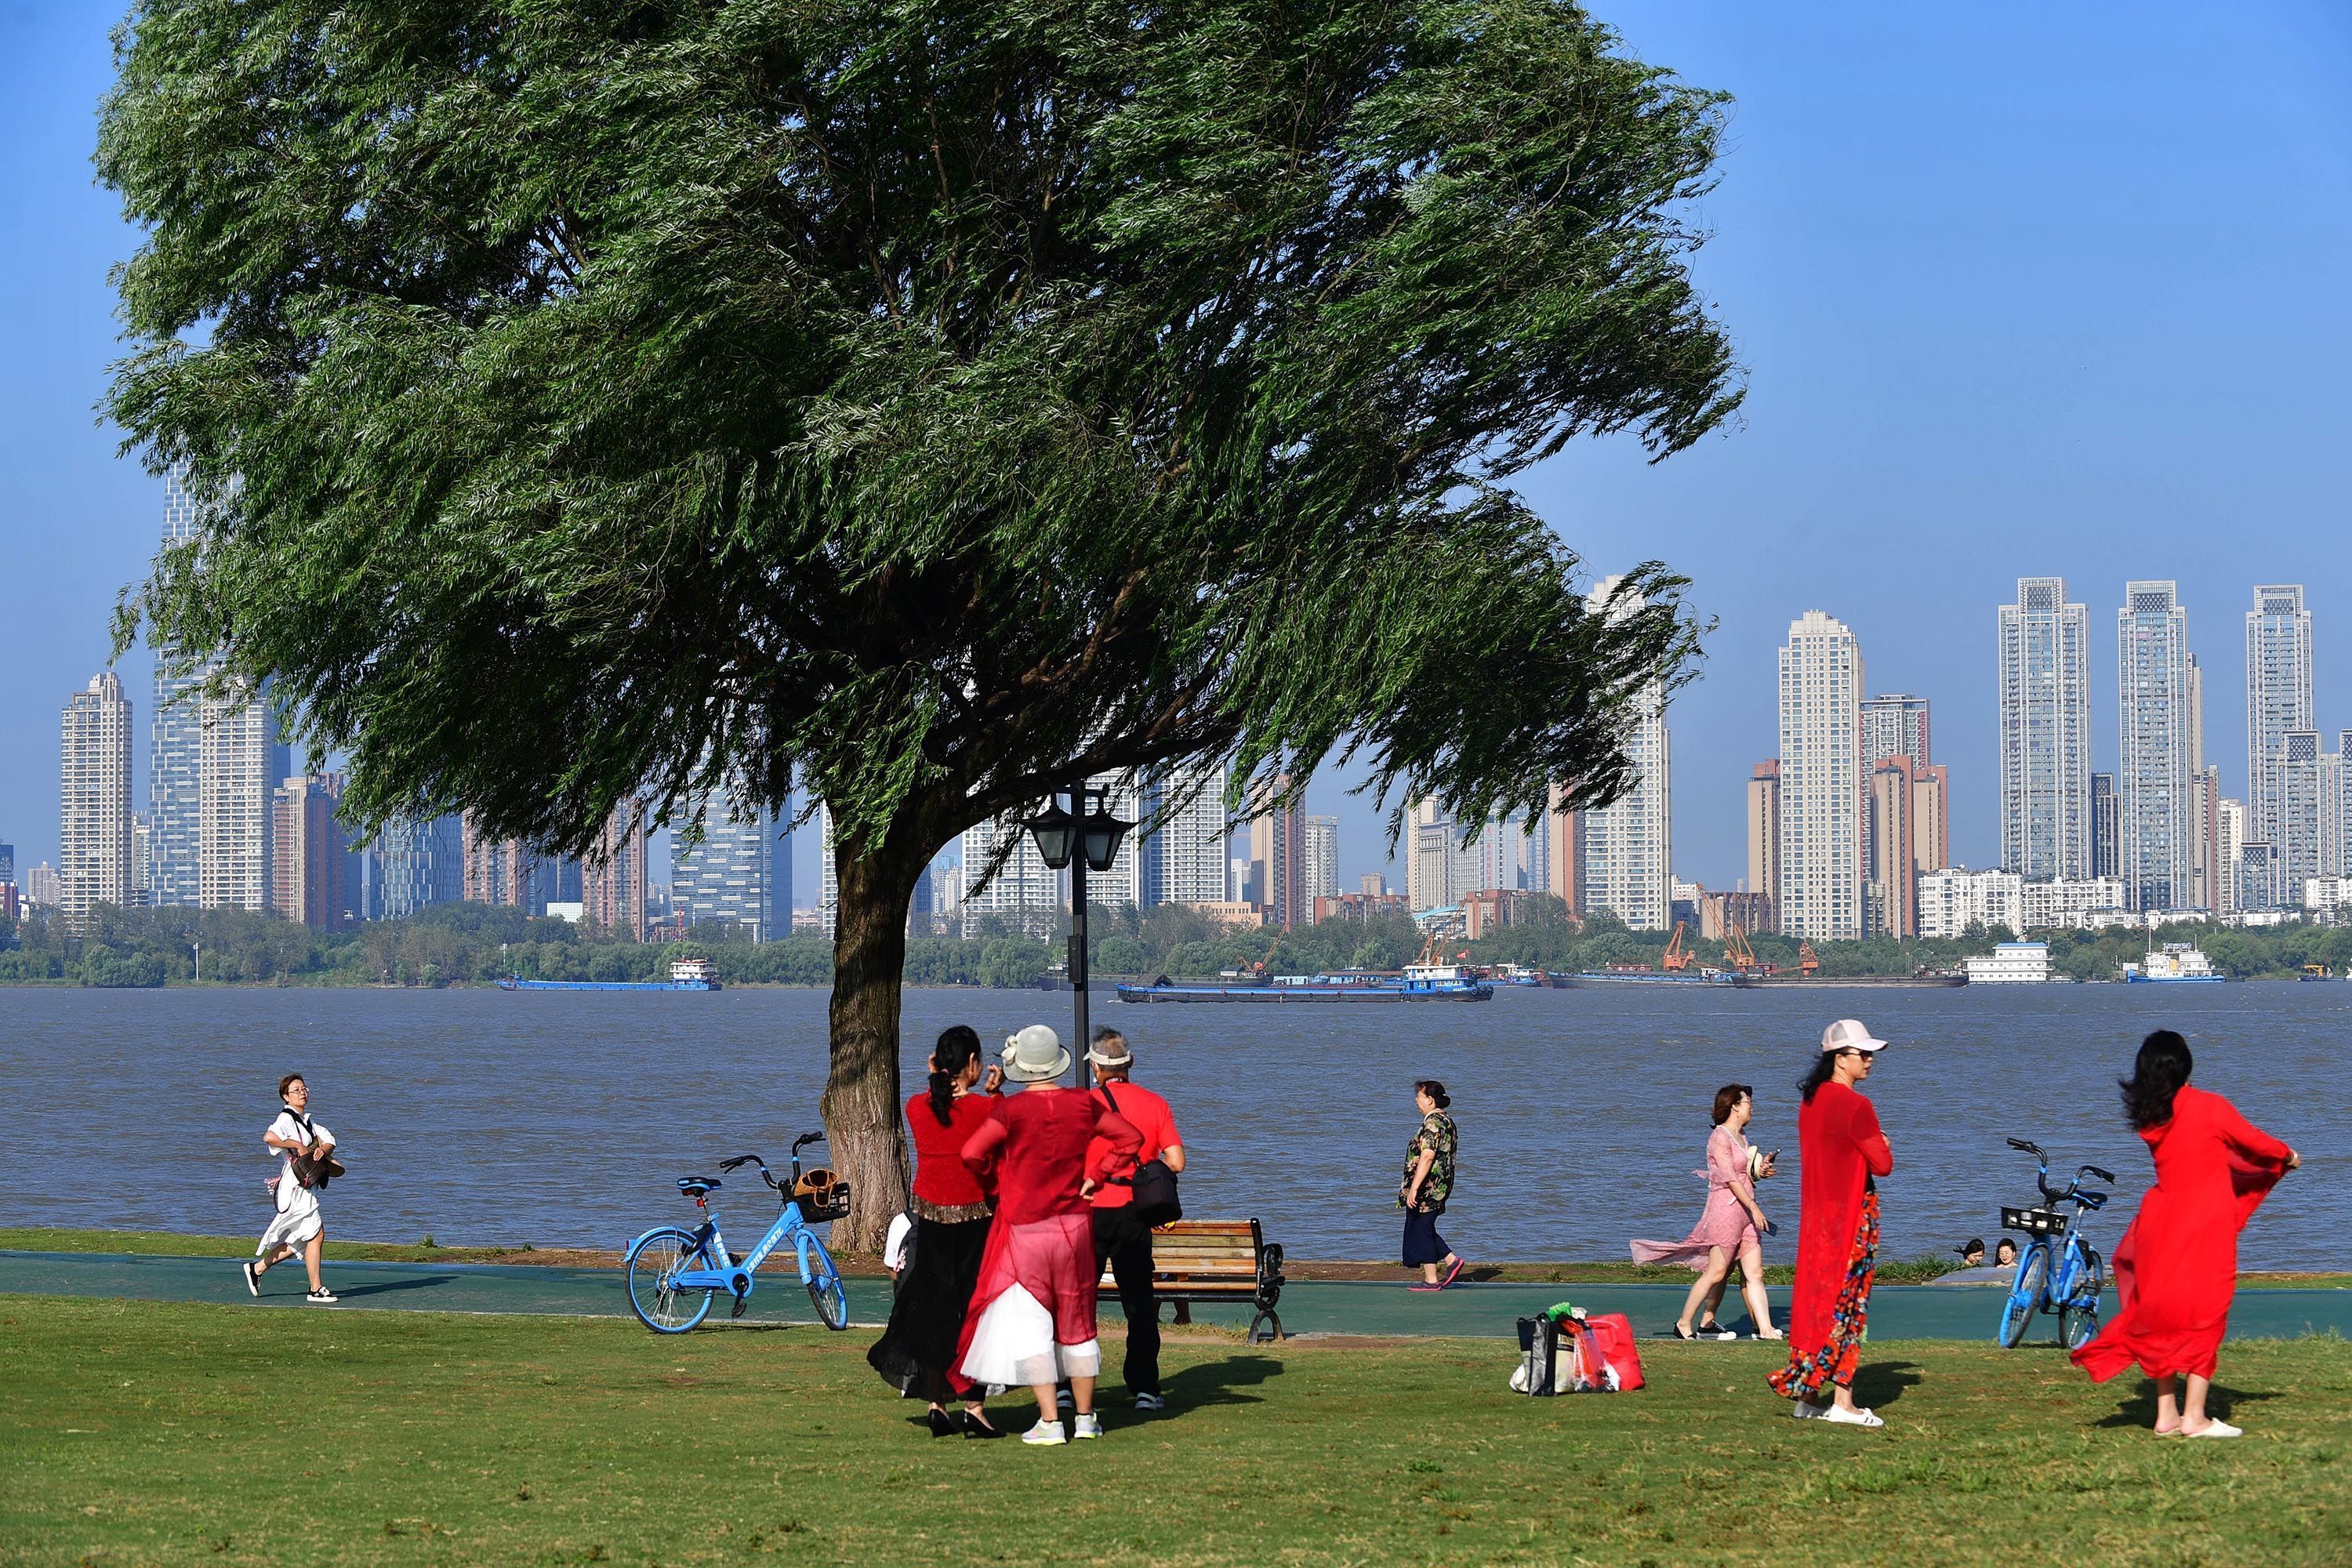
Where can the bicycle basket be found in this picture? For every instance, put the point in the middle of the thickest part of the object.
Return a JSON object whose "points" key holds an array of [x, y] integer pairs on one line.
{"points": [[821, 1197], [2034, 1222]]}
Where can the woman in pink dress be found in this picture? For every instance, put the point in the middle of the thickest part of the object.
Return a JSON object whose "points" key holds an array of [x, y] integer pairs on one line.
{"points": [[1730, 1227]]}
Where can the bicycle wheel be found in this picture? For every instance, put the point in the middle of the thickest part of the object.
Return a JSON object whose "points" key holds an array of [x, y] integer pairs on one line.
{"points": [[2078, 1326], [2025, 1295], [825, 1287], [654, 1260]]}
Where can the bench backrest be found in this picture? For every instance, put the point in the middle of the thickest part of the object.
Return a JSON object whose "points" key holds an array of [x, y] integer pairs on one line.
{"points": [[1204, 1251]]}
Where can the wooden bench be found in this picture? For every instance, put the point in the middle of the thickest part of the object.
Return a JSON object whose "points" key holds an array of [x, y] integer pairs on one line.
{"points": [[1216, 1261]]}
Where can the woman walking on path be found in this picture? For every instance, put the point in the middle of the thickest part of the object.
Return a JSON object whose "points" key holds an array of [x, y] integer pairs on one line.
{"points": [[1031, 1318], [1428, 1181], [1842, 1152], [299, 1226], [918, 1351], [1731, 1225], [2177, 1265]]}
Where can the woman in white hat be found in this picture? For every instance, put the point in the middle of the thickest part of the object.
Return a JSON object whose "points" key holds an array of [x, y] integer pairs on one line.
{"points": [[1842, 1152], [1031, 1319]]}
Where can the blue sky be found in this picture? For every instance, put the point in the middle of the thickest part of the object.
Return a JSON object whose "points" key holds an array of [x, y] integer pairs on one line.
{"points": [[2020, 289]]}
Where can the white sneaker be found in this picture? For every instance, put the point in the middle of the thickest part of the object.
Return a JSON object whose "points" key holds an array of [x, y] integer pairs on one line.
{"points": [[2217, 1429], [1044, 1435], [1149, 1401], [1087, 1427], [252, 1279], [322, 1296], [1838, 1416], [1806, 1410]]}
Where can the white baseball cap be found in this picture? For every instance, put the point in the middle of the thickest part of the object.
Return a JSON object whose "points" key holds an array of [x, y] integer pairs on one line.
{"points": [[1848, 1035]]}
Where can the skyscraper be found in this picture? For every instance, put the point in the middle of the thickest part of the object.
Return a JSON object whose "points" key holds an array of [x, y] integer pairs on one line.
{"points": [[740, 873], [496, 870], [414, 862], [2153, 837], [1625, 849], [175, 746], [1764, 837], [2303, 811], [2230, 837], [94, 800], [2102, 826], [1820, 894], [310, 854], [1322, 858], [1183, 861], [613, 874], [1278, 850], [1895, 724], [242, 763], [1025, 889], [2045, 733], [1894, 744], [2278, 698]]}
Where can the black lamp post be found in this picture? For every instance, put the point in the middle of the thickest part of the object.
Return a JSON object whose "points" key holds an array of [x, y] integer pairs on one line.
{"points": [[1087, 841]]}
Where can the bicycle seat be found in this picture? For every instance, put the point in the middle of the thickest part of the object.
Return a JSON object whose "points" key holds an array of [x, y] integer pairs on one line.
{"points": [[695, 1186]]}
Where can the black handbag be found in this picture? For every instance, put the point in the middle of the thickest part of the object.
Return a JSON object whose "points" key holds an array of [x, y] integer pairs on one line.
{"points": [[1153, 1184]]}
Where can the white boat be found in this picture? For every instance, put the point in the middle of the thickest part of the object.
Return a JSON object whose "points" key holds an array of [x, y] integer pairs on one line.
{"points": [[2179, 965]]}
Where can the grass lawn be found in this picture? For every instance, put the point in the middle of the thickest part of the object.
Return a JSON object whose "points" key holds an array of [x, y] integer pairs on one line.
{"points": [[140, 1432]]}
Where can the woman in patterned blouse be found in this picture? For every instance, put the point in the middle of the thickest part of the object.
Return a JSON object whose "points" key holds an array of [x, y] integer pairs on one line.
{"points": [[1428, 1181]]}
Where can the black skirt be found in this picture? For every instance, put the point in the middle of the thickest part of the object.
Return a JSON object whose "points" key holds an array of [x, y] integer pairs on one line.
{"points": [[917, 1351]]}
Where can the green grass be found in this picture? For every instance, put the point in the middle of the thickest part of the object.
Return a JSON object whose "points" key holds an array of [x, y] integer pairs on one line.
{"points": [[165, 1433], [167, 1244]]}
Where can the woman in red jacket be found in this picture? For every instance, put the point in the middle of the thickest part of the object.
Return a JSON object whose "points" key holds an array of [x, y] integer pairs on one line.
{"points": [[1031, 1318], [1841, 1151], [2177, 1265]]}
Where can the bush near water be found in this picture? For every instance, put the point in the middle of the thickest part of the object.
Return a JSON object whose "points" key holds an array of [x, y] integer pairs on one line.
{"points": [[478, 943]]}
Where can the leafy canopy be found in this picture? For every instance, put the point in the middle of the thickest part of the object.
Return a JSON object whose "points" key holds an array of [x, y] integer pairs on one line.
{"points": [[933, 397]]}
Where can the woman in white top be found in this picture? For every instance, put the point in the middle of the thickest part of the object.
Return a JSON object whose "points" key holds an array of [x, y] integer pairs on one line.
{"points": [[298, 1226]]}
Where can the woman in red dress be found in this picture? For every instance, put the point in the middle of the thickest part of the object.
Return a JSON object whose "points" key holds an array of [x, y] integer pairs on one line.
{"points": [[1032, 1319], [2177, 1265], [1841, 1151]]}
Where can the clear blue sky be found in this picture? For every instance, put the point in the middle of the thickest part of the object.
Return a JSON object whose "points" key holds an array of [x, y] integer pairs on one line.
{"points": [[2020, 289]]}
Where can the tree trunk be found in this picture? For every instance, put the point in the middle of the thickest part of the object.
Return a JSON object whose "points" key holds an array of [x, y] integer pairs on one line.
{"points": [[862, 1090]]}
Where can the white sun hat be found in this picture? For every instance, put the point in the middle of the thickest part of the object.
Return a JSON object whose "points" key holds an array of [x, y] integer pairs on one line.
{"points": [[1036, 1055], [1848, 1035]]}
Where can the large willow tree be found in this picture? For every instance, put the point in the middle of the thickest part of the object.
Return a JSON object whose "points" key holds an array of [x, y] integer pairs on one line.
{"points": [[927, 400]]}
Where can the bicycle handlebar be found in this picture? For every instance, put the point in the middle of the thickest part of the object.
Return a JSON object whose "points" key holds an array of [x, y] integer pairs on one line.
{"points": [[2103, 1175], [739, 1161], [2029, 1148]]}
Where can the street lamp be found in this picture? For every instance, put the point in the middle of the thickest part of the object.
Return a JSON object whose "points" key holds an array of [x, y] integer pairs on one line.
{"points": [[1084, 839]]}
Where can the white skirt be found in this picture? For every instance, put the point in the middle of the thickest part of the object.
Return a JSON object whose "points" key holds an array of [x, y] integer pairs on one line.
{"points": [[298, 1217], [1013, 1345]]}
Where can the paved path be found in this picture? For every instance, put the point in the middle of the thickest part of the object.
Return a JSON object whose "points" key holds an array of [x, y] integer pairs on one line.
{"points": [[1327, 1307]]}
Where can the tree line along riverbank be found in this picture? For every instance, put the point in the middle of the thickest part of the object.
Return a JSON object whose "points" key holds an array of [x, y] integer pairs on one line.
{"points": [[479, 943]]}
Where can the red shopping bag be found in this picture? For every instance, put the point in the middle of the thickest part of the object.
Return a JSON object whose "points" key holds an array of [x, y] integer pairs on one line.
{"points": [[1605, 1360]]}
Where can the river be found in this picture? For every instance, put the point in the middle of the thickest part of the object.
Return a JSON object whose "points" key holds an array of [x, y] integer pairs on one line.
{"points": [[560, 1118]]}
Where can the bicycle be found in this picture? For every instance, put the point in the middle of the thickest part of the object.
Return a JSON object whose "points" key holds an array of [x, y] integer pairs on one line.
{"points": [[2068, 1284], [673, 1273]]}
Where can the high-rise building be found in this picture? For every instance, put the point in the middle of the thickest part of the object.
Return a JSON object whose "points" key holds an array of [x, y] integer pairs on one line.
{"points": [[1563, 850], [242, 762], [94, 800], [2045, 733], [740, 874], [828, 871], [495, 870], [2230, 838], [2104, 862], [1278, 850], [175, 772], [2278, 699], [1764, 839], [2205, 823], [1820, 893], [412, 863], [1183, 861], [1322, 858], [613, 874], [2196, 715], [2305, 810], [1890, 886], [42, 887], [1895, 724], [7, 862], [310, 853], [1024, 889], [1625, 849], [1123, 882], [1931, 818], [142, 860], [2153, 837]]}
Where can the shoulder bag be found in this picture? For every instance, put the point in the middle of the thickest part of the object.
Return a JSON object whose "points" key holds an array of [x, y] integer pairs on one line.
{"points": [[1153, 1184]]}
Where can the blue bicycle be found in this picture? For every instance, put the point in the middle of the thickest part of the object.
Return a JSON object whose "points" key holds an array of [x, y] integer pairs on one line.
{"points": [[675, 1274], [2067, 1282]]}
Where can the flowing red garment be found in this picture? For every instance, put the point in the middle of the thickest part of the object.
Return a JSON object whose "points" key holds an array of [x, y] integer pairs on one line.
{"points": [[2177, 1265], [1841, 1149], [1032, 1155]]}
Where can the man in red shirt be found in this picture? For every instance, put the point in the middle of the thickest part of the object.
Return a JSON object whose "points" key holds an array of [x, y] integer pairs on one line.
{"points": [[1120, 1238]]}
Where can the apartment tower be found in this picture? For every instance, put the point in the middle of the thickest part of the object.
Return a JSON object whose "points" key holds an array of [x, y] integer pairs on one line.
{"points": [[1820, 890], [2153, 837], [1625, 849], [175, 744], [309, 877], [94, 800], [1184, 860], [2278, 699], [1764, 837], [2045, 733]]}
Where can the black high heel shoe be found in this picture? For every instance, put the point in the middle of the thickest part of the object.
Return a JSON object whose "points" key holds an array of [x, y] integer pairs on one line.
{"points": [[942, 1424], [973, 1426]]}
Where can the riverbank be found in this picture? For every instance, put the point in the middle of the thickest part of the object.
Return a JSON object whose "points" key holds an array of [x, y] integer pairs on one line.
{"points": [[1567, 1272], [156, 1433]]}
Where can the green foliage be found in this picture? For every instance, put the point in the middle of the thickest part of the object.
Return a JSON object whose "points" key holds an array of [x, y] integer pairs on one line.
{"points": [[932, 401]]}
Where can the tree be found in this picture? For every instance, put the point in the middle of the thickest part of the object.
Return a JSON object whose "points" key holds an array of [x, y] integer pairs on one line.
{"points": [[933, 402]]}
